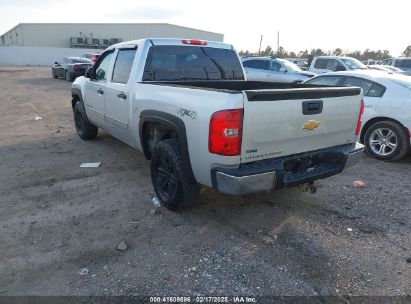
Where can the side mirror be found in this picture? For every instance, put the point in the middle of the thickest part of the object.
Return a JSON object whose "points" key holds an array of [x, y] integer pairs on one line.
{"points": [[90, 73], [283, 70]]}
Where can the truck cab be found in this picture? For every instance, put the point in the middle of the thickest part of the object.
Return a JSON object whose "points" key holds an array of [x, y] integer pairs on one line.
{"points": [[324, 64]]}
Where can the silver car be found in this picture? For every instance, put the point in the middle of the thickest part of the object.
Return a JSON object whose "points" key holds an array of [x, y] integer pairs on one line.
{"points": [[271, 69]]}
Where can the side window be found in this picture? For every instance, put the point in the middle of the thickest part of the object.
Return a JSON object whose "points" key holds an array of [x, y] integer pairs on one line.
{"points": [[335, 65], [103, 66], [367, 86], [275, 66], [122, 67], [248, 63], [402, 63], [376, 90], [325, 80], [256, 64], [320, 63]]}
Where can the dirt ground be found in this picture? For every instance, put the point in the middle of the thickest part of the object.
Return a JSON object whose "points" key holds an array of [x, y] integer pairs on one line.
{"points": [[60, 224]]}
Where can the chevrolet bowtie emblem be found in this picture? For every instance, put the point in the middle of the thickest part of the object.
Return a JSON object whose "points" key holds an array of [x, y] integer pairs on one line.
{"points": [[311, 125]]}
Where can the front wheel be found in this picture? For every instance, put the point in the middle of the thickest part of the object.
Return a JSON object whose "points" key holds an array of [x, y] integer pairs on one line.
{"points": [[172, 184], [85, 129], [386, 140]]}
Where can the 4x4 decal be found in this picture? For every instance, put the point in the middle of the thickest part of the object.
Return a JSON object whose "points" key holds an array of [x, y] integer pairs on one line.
{"points": [[185, 112]]}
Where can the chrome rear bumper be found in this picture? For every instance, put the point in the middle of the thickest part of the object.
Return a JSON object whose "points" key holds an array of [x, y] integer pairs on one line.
{"points": [[271, 175]]}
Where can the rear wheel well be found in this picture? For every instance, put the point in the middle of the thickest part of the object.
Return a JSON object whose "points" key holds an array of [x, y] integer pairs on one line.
{"points": [[154, 132], [373, 121]]}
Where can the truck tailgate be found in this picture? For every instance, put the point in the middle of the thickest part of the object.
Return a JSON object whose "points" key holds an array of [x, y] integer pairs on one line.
{"points": [[290, 121]]}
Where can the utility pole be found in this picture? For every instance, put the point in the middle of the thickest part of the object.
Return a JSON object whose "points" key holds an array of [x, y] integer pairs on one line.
{"points": [[261, 40], [278, 40]]}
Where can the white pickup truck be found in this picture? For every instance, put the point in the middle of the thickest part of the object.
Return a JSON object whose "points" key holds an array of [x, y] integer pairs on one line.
{"points": [[187, 106]]}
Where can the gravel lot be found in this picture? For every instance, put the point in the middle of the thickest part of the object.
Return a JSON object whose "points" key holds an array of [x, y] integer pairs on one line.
{"points": [[60, 224]]}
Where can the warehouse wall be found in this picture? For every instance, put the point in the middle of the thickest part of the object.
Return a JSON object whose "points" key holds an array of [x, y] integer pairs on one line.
{"points": [[58, 34], [13, 37], [23, 55]]}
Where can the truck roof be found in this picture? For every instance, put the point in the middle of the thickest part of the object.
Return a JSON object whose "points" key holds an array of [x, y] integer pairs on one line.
{"points": [[332, 57], [173, 41]]}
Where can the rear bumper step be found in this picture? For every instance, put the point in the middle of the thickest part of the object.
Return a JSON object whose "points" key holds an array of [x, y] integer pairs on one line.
{"points": [[290, 171]]}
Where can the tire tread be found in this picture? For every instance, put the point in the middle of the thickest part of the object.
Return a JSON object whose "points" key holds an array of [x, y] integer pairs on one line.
{"points": [[90, 130], [188, 190]]}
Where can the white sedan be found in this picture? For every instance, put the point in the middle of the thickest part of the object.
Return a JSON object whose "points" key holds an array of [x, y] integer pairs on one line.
{"points": [[387, 114]]}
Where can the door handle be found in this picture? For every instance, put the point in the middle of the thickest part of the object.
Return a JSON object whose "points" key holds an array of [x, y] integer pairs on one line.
{"points": [[100, 91], [122, 95]]}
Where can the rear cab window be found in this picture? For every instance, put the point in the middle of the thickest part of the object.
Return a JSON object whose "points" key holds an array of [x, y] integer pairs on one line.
{"points": [[174, 63]]}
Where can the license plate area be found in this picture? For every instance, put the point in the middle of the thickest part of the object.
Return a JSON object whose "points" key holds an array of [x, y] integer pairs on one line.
{"points": [[300, 164]]}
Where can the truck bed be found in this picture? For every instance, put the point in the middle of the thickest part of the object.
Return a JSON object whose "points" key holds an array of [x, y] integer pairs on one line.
{"points": [[236, 86], [277, 116]]}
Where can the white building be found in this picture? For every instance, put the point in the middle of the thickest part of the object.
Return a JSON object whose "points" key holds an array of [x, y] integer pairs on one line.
{"points": [[96, 35]]}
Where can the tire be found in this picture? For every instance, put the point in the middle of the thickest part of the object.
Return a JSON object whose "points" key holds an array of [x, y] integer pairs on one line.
{"points": [[173, 186], [85, 129], [53, 74], [69, 76], [386, 140]]}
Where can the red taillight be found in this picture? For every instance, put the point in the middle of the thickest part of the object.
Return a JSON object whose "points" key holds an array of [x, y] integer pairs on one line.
{"points": [[359, 123], [225, 135], [194, 42]]}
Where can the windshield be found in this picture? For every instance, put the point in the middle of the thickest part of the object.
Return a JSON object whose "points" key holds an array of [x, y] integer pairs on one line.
{"points": [[291, 66], [353, 63], [173, 63]]}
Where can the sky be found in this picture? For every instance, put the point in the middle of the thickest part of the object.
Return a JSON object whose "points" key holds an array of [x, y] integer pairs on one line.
{"points": [[328, 24]]}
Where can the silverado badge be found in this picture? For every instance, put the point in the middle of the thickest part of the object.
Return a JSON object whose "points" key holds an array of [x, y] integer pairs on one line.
{"points": [[311, 125]]}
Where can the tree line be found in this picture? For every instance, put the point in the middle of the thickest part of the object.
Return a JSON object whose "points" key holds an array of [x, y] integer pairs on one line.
{"points": [[367, 54]]}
